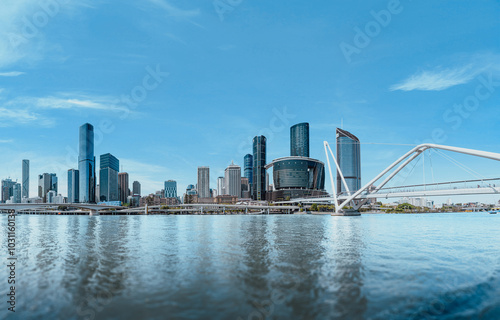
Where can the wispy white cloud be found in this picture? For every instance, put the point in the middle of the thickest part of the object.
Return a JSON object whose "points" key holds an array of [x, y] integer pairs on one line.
{"points": [[174, 11], [7, 141], [10, 117], [443, 78], [68, 101], [437, 80], [26, 110], [11, 74]]}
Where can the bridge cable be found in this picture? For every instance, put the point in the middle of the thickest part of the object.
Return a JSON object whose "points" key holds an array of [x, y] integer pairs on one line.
{"points": [[432, 168], [411, 171], [423, 165], [462, 166]]}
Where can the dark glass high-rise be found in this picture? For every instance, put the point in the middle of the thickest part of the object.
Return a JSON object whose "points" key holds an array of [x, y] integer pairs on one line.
{"points": [[248, 168], [108, 178], [73, 186], [349, 159], [259, 170], [86, 164], [299, 140]]}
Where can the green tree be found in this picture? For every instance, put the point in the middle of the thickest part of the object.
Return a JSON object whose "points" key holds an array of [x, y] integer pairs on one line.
{"points": [[314, 207]]}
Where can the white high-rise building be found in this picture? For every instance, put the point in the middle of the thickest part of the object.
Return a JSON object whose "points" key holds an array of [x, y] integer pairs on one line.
{"points": [[221, 186], [233, 180]]}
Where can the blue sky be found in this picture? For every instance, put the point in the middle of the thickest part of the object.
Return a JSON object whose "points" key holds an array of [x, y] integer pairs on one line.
{"points": [[235, 71]]}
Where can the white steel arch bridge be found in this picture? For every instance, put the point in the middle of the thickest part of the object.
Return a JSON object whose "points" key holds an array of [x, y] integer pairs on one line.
{"points": [[361, 196]]}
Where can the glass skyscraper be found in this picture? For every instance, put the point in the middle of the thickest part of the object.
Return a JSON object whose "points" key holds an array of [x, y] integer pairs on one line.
{"points": [[86, 164], [136, 188], [259, 168], [108, 178], [190, 190], [349, 159], [73, 186], [46, 182], [248, 168], [299, 140], [123, 186], [7, 189], [26, 179], [170, 189], [16, 197]]}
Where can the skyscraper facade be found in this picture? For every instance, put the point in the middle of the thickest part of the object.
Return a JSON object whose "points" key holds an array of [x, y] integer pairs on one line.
{"points": [[16, 196], [248, 168], [170, 189], [123, 186], [233, 180], [26, 179], [259, 170], [73, 186], [136, 188], [349, 159], [191, 190], [245, 188], [221, 186], [7, 189], [108, 178], [203, 182], [86, 164], [299, 140], [53, 182], [46, 182]]}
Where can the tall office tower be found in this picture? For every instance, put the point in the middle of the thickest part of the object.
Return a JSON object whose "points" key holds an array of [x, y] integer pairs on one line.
{"points": [[73, 186], [245, 188], [43, 186], [248, 168], [53, 182], [221, 186], [170, 189], [299, 140], [349, 159], [203, 182], [26, 179], [233, 180], [46, 182], [7, 189], [267, 182], [136, 188], [123, 187], [86, 164], [108, 178], [16, 196], [259, 168]]}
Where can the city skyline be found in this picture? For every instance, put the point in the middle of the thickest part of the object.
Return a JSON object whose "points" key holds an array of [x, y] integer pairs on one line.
{"points": [[379, 92]]}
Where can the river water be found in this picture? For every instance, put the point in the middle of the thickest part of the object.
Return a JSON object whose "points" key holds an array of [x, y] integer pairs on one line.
{"points": [[434, 266]]}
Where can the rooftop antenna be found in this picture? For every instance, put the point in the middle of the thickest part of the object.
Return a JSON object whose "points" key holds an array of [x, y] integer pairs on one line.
{"points": [[342, 124]]}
